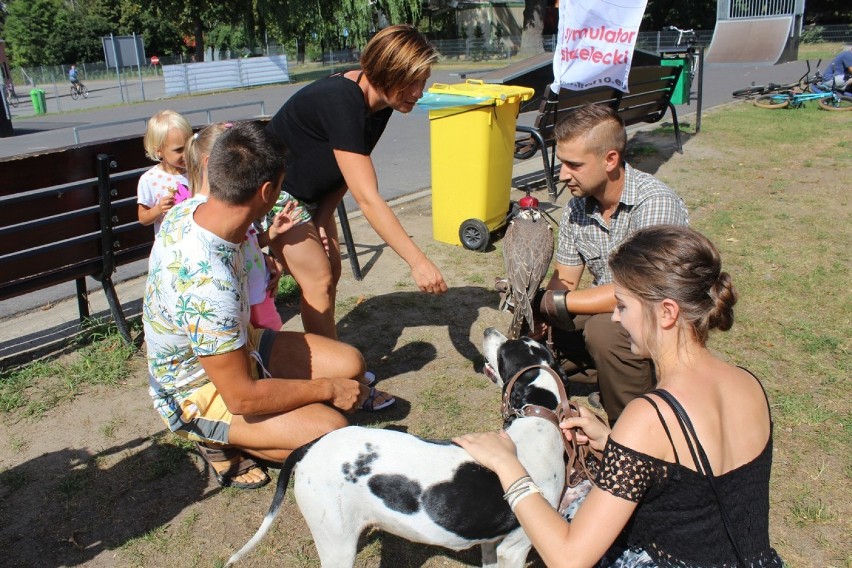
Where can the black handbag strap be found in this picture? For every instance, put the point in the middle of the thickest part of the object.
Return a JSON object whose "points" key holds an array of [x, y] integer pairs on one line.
{"points": [[702, 463]]}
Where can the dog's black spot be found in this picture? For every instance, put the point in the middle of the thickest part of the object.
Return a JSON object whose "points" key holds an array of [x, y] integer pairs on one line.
{"points": [[516, 354], [398, 492], [361, 467], [470, 505]]}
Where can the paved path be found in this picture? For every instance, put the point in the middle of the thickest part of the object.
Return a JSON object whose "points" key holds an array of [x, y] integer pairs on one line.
{"points": [[402, 156]]}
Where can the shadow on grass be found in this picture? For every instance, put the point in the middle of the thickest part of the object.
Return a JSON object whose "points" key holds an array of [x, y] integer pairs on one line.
{"points": [[400, 553], [64, 508], [376, 324]]}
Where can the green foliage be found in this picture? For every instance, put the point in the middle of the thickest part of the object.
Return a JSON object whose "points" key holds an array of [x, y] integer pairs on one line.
{"points": [[53, 32], [698, 14], [288, 290], [34, 31], [44, 384], [161, 35]]}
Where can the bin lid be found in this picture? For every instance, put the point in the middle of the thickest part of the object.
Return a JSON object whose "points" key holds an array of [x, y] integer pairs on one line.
{"points": [[493, 94]]}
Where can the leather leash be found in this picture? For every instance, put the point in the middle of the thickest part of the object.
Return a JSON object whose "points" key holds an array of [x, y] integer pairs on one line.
{"points": [[577, 466]]}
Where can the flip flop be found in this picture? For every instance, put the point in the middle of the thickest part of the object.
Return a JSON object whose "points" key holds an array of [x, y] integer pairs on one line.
{"points": [[369, 379], [226, 455], [370, 404]]}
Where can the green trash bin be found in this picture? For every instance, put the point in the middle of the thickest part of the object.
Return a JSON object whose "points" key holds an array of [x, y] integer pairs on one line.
{"points": [[39, 101], [681, 92]]}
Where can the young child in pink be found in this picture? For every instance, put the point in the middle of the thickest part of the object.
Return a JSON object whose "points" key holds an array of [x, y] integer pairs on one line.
{"points": [[263, 270], [165, 139]]}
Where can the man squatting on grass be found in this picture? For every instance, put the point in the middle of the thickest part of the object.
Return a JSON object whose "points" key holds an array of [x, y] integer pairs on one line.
{"points": [[204, 359], [611, 201]]}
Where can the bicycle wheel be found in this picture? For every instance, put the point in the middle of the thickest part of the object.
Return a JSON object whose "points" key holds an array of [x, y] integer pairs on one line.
{"points": [[13, 99], [772, 101], [74, 93], [84, 91], [842, 102], [749, 92]]}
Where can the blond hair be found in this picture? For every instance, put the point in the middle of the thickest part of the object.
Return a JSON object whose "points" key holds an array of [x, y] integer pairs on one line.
{"points": [[197, 148], [157, 130], [396, 57]]}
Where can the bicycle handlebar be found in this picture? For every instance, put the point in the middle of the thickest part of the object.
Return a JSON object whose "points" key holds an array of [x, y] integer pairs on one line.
{"points": [[678, 30]]}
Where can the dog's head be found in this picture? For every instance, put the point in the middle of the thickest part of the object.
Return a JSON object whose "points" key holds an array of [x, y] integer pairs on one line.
{"points": [[505, 358]]}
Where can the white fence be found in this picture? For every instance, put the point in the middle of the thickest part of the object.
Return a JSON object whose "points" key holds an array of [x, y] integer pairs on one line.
{"points": [[190, 78]]}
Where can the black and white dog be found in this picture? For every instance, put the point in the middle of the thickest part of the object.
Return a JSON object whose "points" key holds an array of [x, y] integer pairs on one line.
{"points": [[427, 491]]}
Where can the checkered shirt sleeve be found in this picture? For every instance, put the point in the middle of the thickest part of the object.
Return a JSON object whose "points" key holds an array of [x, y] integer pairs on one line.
{"points": [[585, 238]]}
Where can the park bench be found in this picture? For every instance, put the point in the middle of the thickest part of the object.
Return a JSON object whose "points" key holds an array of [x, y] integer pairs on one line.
{"points": [[70, 213], [651, 89]]}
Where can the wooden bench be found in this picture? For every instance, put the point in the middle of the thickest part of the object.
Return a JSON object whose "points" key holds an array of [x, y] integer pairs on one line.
{"points": [[651, 89], [70, 213]]}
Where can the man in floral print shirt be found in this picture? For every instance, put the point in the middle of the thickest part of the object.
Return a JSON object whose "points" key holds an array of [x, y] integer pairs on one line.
{"points": [[214, 379]]}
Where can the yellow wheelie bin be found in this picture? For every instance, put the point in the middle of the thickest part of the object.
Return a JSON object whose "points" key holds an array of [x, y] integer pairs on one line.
{"points": [[472, 151]]}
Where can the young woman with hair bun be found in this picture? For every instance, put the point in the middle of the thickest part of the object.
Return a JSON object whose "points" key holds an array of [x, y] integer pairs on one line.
{"points": [[657, 501]]}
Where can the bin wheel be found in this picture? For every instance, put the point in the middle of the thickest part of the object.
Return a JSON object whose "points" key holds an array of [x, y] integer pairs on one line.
{"points": [[474, 235]]}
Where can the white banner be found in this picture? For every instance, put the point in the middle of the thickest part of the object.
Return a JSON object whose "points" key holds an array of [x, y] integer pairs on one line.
{"points": [[595, 43]]}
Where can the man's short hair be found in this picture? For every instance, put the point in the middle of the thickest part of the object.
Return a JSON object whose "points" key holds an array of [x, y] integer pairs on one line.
{"points": [[599, 126], [244, 158]]}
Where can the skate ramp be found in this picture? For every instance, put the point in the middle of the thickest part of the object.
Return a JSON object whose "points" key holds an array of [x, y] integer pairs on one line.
{"points": [[759, 41]]}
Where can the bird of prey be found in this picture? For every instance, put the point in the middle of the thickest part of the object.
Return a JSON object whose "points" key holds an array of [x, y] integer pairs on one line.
{"points": [[527, 251]]}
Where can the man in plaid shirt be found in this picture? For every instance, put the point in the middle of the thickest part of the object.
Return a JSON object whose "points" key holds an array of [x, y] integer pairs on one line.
{"points": [[610, 201]]}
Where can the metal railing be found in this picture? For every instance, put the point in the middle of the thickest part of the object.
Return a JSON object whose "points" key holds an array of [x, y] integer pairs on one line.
{"points": [[207, 111], [762, 8]]}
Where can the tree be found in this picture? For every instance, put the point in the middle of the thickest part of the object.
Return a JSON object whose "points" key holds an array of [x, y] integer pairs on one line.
{"points": [[533, 26], [161, 35], [697, 14], [31, 31], [827, 12], [85, 23]]}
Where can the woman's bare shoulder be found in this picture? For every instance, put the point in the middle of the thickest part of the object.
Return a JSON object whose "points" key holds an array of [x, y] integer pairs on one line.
{"points": [[639, 428]]}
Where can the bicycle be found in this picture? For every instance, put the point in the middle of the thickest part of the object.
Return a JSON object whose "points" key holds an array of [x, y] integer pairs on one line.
{"points": [[689, 47], [691, 37], [828, 99], [802, 84], [11, 95], [78, 89]]}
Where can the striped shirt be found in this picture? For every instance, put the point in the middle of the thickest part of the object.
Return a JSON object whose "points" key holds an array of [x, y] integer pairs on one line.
{"points": [[586, 238]]}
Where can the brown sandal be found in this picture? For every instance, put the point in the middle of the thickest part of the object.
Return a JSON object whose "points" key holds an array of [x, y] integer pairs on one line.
{"points": [[227, 454]]}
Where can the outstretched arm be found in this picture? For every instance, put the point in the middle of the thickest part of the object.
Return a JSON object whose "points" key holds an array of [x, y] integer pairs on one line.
{"points": [[595, 300], [560, 544], [244, 395], [360, 177]]}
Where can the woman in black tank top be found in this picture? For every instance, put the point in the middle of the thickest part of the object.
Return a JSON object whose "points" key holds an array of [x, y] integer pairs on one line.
{"points": [[330, 128], [684, 479]]}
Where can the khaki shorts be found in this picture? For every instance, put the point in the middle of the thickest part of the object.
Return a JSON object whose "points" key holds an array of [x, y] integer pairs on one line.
{"points": [[204, 416]]}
